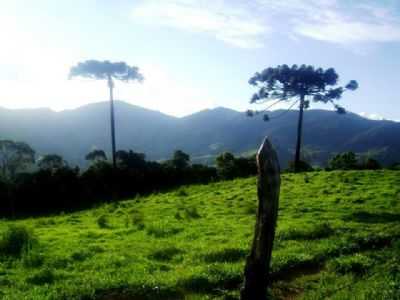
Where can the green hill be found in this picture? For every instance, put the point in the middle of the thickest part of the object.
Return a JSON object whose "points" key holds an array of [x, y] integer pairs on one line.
{"points": [[338, 238]]}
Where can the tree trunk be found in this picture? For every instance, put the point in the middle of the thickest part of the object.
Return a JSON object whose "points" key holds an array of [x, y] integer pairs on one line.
{"points": [[111, 86], [299, 135], [258, 262]]}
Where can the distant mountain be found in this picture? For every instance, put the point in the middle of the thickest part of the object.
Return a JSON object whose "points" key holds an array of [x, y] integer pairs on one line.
{"points": [[73, 133]]}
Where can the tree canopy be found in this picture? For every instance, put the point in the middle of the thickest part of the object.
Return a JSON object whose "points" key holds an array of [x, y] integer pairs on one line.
{"points": [[96, 69], [284, 83], [180, 159], [298, 85], [51, 162], [96, 155], [14, 157]]}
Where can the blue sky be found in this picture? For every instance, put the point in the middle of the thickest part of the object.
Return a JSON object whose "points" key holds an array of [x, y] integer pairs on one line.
{"points": [[196, 54]]}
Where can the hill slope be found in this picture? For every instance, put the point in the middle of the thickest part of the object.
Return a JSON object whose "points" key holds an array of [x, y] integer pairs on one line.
{"points": [[338, 237], [74, 133]]}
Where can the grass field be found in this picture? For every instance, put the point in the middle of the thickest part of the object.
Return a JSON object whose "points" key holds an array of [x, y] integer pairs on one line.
{"points": [[338, 238]]}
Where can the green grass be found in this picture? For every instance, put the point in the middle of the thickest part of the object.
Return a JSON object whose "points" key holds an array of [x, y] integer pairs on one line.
{"points": [[338, 237]]}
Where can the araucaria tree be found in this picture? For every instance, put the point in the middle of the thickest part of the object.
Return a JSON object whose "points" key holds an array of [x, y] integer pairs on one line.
{"points": [[106, 70], [298, 85]]}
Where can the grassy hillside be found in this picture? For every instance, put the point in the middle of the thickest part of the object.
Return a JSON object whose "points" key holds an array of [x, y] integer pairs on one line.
{"points": [[338, 237]]}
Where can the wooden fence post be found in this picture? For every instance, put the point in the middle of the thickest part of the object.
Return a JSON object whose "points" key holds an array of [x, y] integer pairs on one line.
{"points": [[258, 262]]}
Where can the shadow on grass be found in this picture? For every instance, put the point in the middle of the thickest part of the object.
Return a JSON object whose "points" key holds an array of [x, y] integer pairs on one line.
{"points": [[141, 293], [368, 217], [214, 284], [165, 254], [226, 255]]}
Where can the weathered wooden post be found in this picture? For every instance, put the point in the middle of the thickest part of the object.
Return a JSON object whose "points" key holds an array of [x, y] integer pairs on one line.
{"points": [[258, 262]]}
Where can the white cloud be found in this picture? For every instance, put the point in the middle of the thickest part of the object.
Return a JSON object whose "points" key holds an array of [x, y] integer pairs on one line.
{"points": [[332, 26], [343, 22], [247, 24], [234, 24]]}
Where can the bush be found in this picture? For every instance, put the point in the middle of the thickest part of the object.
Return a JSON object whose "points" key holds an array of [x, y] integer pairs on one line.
{"points": [[16, 240]]}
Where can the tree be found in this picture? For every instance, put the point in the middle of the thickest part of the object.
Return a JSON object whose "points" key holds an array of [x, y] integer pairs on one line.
{"points": [[51, 162], [131, 160], [226, 165], [343, 161], [96, 156], [298, 85], [106, 70], [14, 157], [180, 160]]}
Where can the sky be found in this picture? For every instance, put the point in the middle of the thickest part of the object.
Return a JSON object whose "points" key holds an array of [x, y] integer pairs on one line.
{"points": [[196, 54]]}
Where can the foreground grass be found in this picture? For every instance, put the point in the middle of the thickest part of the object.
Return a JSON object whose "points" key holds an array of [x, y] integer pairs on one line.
{"points": [[338, 237]]}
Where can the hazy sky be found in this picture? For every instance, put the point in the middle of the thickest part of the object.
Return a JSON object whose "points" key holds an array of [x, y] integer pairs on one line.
{"points": [[196, 54]]}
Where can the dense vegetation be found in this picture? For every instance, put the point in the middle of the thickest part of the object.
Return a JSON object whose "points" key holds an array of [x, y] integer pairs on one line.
{"points": [[56, 187], [338, 237]]}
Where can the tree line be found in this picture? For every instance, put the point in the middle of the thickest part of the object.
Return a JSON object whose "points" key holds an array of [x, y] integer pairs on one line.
{"points": [[30, 186]]}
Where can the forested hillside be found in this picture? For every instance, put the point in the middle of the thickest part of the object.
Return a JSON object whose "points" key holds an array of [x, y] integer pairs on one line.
{"points": [[74, 133]]}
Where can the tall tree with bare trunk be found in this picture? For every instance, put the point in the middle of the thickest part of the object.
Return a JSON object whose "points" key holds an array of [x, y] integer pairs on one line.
{"points": [[298, 85], [106, 70]]}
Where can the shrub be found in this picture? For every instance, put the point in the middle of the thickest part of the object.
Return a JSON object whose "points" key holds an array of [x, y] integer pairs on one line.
{"points": [[16, 240]]}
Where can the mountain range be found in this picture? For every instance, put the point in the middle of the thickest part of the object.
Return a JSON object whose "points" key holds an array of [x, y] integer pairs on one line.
{"points": [[205, 134]]}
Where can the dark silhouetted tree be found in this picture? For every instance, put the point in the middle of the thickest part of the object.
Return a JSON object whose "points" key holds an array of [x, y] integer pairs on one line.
{"points": [[226, 165], [51, 162], [14, 157], [96, 156], [298, 85], [180, 160], [106, 70], [130, 160]]}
